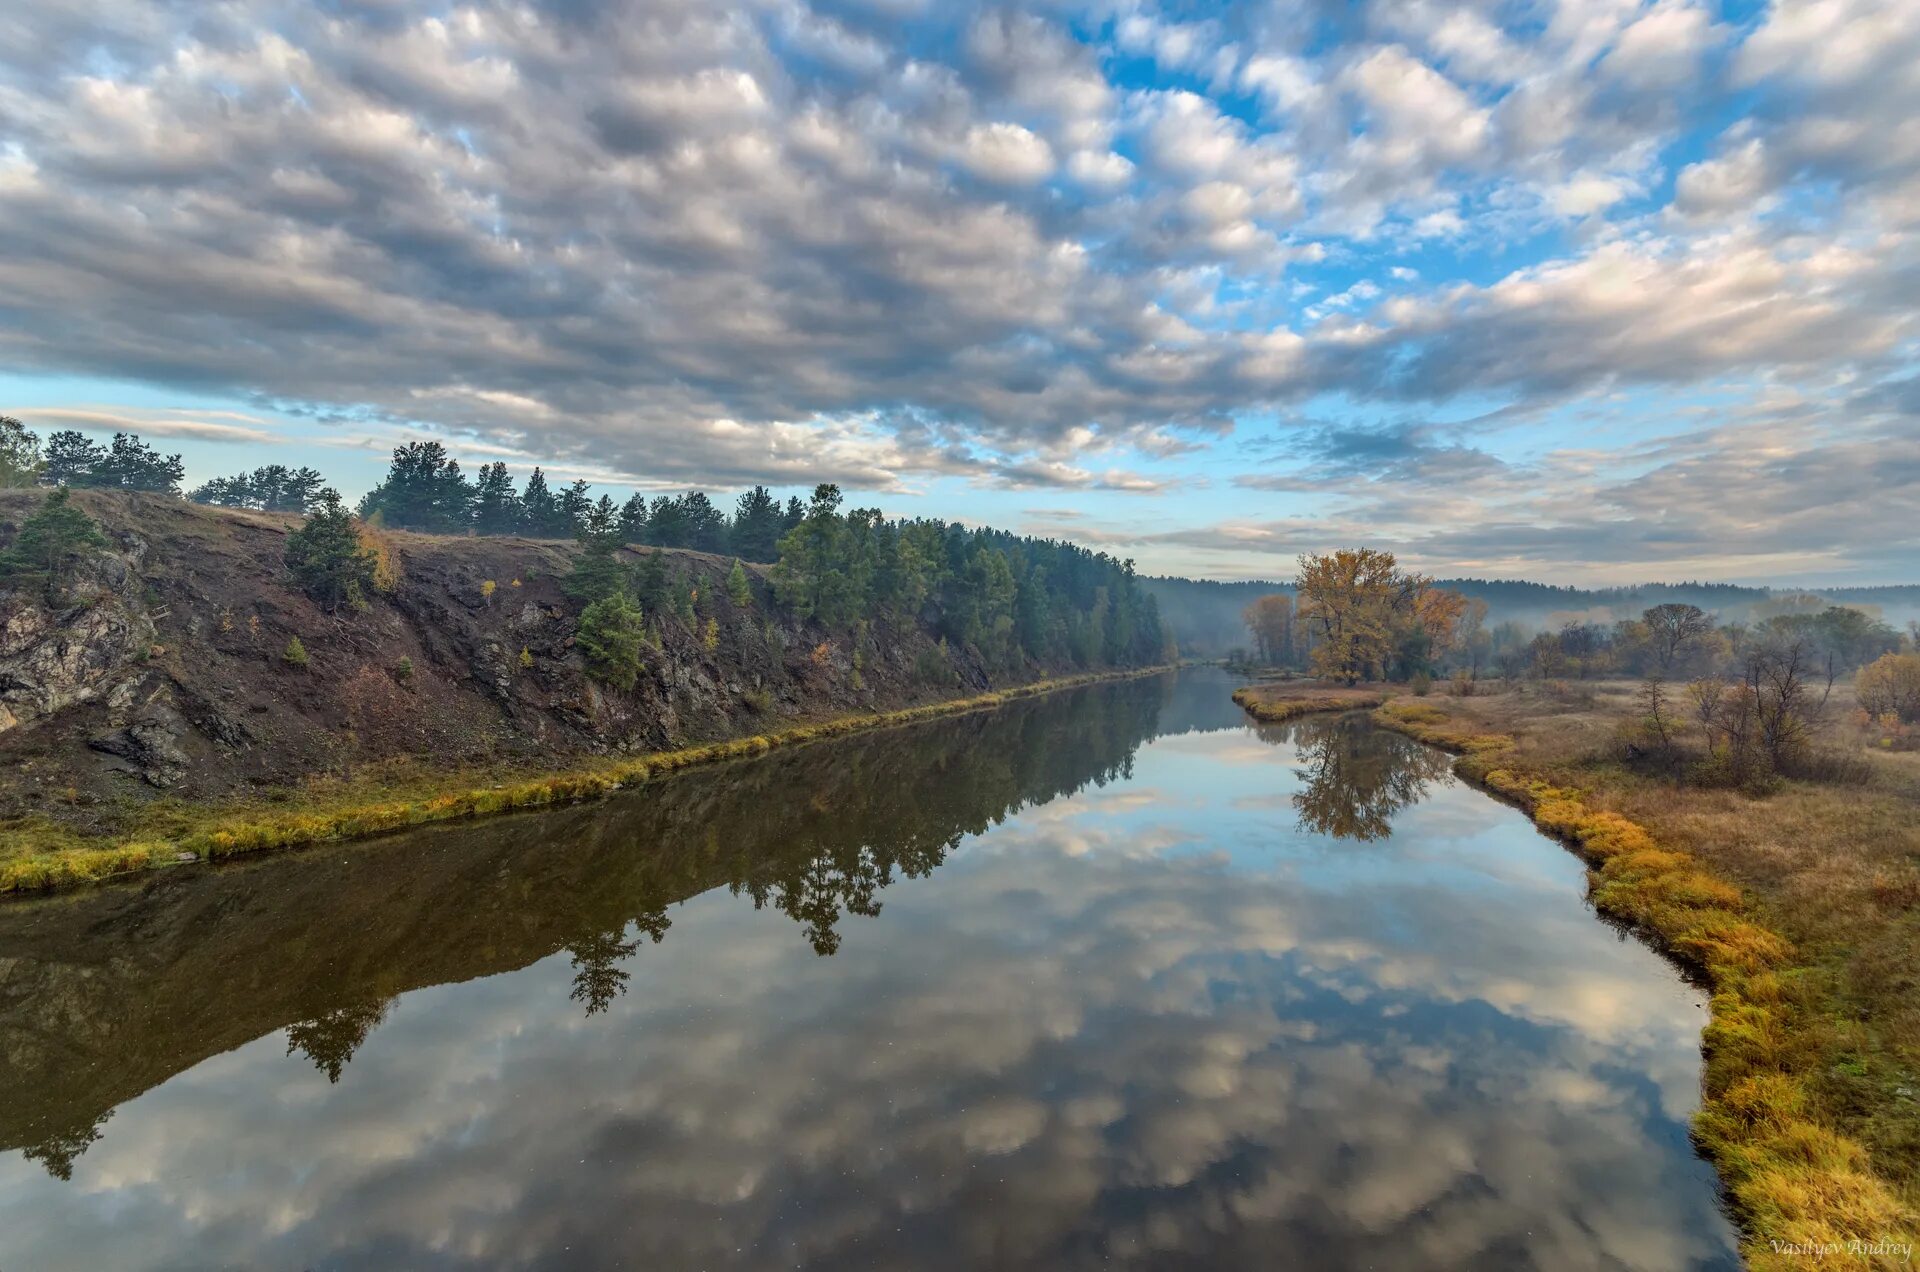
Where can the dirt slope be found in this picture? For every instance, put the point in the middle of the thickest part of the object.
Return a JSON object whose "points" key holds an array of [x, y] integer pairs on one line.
{"points": [[165, 676]]}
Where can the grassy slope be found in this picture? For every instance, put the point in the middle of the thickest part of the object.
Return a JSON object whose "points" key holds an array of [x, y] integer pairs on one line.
{"points": [[1798, 909], [41, 856]]}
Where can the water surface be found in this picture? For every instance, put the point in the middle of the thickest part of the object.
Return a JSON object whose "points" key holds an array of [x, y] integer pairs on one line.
{"points": [[1108, 978]]}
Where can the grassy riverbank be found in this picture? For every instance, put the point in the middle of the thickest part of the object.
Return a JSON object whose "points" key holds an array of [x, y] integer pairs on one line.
{"points": [[1797, 908], [1278, 702], [37, 855]]}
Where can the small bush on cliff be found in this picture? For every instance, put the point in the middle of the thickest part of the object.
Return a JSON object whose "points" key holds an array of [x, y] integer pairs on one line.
{"points": [[327, 558], [50, 544], [612, 637], [295, 654]]}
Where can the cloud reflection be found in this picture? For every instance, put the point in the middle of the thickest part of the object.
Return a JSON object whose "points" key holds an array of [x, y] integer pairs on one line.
{"points": [[1103, 1032]]}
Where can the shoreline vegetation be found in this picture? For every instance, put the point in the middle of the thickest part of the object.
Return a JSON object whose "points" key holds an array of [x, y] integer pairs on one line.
{"points": [[1808, 1109], [1270, 705], [55, 858]]}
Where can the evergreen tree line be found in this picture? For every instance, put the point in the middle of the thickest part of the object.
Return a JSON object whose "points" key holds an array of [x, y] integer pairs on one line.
{"points": [[1008, 596], [426, 490], [68, 458]]}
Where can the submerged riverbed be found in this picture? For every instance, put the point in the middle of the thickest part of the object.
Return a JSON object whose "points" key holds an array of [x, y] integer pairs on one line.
{"points": [[1110, 977]]}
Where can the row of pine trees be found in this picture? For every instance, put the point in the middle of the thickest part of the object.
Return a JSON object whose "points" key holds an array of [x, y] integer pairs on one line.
{"points": [[1012, 598]]}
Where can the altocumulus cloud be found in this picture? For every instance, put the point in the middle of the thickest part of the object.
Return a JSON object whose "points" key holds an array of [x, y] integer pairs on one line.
{"points": [[1064, 243]]}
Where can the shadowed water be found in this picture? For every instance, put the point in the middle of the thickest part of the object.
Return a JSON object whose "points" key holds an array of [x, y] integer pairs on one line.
{"points": [[1107, 978]]}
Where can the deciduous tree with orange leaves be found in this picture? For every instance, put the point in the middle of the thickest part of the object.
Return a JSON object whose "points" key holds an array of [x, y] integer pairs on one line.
{"points": [[1269, 621], [1352, 601]]}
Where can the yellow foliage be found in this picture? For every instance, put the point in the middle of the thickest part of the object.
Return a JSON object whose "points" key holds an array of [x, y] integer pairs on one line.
{"points": [[386, 558]]}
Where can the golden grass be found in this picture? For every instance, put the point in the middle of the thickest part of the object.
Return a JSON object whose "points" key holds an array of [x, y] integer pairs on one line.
{"points": [[1274, 703], [1787, 1144], [44, 857]]}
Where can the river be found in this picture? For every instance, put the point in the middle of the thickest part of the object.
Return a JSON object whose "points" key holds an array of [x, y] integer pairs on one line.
{"points": [[1107, 978]]}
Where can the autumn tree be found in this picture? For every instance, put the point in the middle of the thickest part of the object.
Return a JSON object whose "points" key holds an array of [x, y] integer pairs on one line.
{"points": [[1674, 629], [1430, 627], [1269, 621], [1350, 601], [1890, 686]]}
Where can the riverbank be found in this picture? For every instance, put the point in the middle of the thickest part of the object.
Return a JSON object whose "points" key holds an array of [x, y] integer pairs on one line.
{"points": [[1797, 909], [1275, 703], [44, 857]]}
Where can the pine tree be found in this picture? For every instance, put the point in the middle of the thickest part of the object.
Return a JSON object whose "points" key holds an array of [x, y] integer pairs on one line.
{"points": [[633, 520], [326, 556], [597, 571], [540, 511], [50, 543], [130, 464], [423, 490], [667, 523], [612, 639], [737, 589], [496, 508], [757, 526], [71, 459], [706, 525], [575, 503], [651, 581]]}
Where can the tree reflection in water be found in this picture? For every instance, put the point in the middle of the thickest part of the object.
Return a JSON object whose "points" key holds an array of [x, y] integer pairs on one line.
{"points": [[330, 1039], [815, 833], [1357, 776]]}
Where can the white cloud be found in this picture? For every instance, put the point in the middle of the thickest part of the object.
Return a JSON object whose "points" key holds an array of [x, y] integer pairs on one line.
{"points": [[1731, 183], [198, 425], [1007, 152]]}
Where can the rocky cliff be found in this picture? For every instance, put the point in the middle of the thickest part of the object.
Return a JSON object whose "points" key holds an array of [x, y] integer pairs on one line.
{"points": [[162, 673]]}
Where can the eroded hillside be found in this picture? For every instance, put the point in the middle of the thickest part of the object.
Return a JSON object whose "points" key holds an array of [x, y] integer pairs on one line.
{"points": [[164, 671]]}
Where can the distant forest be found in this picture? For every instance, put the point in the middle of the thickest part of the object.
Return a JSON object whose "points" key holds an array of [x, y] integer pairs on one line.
{"points": [[425, 489], [1205, 617]]}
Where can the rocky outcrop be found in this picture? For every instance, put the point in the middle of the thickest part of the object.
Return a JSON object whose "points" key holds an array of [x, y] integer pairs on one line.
{"points": [[90, 647], [162, 669], [150, 746]]}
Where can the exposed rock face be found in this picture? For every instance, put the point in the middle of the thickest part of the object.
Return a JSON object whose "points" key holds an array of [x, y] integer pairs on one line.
{"points": [[151, 745], [162, 670], [85, 650]]}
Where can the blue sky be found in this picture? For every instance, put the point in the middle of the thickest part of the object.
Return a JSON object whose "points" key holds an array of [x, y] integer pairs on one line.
{"points": [[1590, 292]]}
